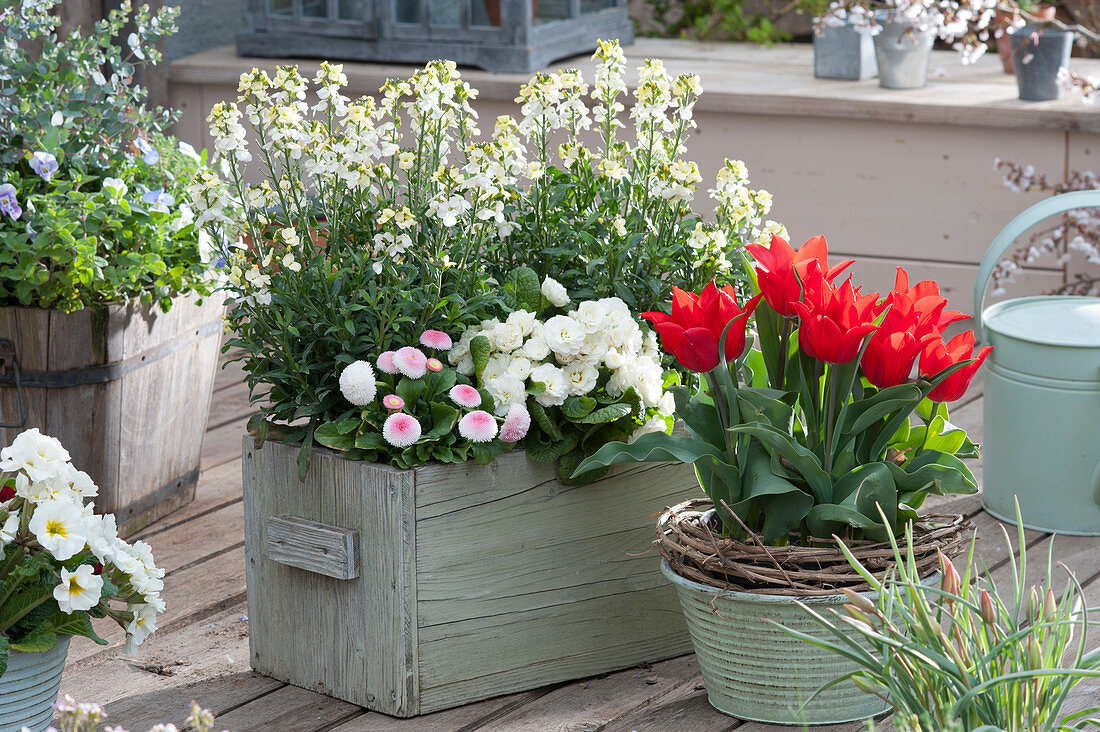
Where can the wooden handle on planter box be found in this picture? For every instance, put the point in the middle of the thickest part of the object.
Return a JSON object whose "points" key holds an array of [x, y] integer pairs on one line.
{"points": [[312, 546]]}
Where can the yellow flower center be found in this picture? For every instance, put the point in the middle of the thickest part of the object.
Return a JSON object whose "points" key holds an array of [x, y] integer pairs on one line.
{"points": [[56, 528], [74, 587]]}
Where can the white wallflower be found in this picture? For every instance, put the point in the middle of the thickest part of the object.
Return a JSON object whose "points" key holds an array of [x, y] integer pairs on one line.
{"points": [[79, 590], [506, 391], [555, 292], [564, 335], [357, 383], [557, 387], [59, 527]]}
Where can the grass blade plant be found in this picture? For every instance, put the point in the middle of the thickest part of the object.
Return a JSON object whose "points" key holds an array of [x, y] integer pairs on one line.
{"points": [[962, 655]]}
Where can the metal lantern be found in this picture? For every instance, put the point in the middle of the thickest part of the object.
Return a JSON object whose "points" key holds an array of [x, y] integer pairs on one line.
{"points": [[1042, 395], [497, 35]]}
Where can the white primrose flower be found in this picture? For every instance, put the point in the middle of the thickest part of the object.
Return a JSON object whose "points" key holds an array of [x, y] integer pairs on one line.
{"points": [[79, 590], [141, 627], [535, 347], [496, 367], [592, 314], [520, 367], [564, 335], [9, 529], [557, 386], [506, 337], [555, 292], [40, 456], [522, 319], [59, 526], [357, 383], [581, 377], [506, 391]]}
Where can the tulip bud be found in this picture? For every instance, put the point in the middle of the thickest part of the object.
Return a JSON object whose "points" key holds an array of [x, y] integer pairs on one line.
{"points": [[1050, 606], [859, 601], [1032, 606], [1034, 653], [864, 684], [856, 614], [951, 582], [989, 613]]}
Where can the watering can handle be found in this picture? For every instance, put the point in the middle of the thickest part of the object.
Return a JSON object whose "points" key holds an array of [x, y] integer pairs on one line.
{"points": [[1016, 228]]}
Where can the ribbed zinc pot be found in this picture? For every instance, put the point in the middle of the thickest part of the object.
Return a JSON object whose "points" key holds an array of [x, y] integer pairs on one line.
{"points": [[1039, 54], [29, 687], [753, 670], [842, 52], [1042, 395], [903, 52]]}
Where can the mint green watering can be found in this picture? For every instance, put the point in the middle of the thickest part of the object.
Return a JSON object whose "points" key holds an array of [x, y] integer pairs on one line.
{"points": [[1042, 395]]}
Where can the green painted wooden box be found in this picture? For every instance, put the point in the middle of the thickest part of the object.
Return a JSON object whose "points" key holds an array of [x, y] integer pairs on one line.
{"points": [[411, 591]]}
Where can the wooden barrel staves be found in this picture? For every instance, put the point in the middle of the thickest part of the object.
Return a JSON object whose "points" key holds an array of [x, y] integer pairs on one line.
{"points": [[125, 387]]}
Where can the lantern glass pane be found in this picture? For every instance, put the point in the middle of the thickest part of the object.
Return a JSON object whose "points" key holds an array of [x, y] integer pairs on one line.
{"points": [[407, 11], [315, 8], [352, 9], [280, 7]]}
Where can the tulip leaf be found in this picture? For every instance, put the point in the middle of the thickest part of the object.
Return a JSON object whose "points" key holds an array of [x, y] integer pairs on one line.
{"points": [[801, 459], [763, 406], [866, 412], [945, 472], [826, 519], [699, 416], [653, 447], [784, 504], [865, 488]]}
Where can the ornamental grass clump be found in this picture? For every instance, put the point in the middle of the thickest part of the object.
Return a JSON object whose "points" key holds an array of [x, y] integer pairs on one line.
{"points": [[61, 564], [91, 188], [812, 434], [960, 654], [376, 221]]}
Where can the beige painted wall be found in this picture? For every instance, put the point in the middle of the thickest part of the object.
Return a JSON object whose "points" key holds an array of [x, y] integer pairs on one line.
{"points": [[920, 193]]}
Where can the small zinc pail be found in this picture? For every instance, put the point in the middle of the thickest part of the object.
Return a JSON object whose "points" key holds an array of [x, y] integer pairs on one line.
{"points": [[1041, 420], [28, 689]]}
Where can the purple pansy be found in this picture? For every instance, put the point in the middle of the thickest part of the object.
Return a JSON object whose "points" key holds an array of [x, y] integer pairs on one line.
{"points": [[158, 199], [9, 204], [44, 164], [149, 154]]}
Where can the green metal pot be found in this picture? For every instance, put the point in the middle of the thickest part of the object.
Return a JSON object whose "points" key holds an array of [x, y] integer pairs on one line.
{"points": [[1042, 395], [29, 687], [754, 671]]}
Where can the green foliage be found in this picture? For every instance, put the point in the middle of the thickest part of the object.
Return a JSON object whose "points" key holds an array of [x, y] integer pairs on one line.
{"points": [[77, 243], [717, 20], [959, 654]]}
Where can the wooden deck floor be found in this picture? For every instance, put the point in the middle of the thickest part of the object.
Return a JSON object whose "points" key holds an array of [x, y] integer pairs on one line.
{"points": [[201, 649]]}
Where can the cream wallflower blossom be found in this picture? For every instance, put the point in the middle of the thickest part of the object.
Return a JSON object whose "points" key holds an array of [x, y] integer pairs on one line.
{"points": [[79, 590]]}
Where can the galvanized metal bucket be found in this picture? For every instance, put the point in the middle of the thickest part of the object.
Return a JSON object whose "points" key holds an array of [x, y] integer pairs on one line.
{"points": [[29, 687], [842, 52], [754, 671], [1041, 442]]}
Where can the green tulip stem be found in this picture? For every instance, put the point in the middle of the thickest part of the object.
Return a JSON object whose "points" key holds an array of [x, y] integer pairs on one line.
{"points": [[830, 419], [781, 366]]}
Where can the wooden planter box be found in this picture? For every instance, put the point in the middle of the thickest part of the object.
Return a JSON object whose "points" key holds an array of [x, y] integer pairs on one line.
{"points": [[126, 388], [411, 591]]}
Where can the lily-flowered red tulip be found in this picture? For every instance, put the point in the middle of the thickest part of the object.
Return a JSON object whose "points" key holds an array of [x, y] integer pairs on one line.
{"points": [[938, 356], [692, 332], [834, 320], [779, 269], [926, 300], [894, 347]]}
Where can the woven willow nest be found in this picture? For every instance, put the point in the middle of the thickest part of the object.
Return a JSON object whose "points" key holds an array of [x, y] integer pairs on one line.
{"points": [[698, 553]]}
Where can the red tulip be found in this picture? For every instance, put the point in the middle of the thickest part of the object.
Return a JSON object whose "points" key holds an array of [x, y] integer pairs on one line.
{"points": [[780, 267], [938, 356], [925, 299], [692, 332], [834, 321], [894, 347]]}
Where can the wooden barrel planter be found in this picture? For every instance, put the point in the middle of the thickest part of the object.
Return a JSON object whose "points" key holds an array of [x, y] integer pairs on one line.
{"points": [[411, 591], [125, 387]]}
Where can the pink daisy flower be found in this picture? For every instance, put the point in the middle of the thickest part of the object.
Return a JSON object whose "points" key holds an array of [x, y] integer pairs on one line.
{"points": [[393, 402], [478, 426], [436, 339], [516, 424], [385, 363], [465, 395], [401, 430], [434, 364], [411, 362]]}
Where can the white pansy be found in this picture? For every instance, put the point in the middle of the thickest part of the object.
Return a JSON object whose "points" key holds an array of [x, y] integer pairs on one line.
{"points": [[564, 335], [506, 390], [555, 292], [557, 387], [59, 527], [79, 590]]}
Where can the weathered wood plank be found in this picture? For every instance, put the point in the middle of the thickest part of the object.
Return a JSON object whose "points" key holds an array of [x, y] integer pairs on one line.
{"points": [[218, 487], [289, 708], [29, 331], [684, 708], [221, 445], [468, 717], [313, 546]]}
